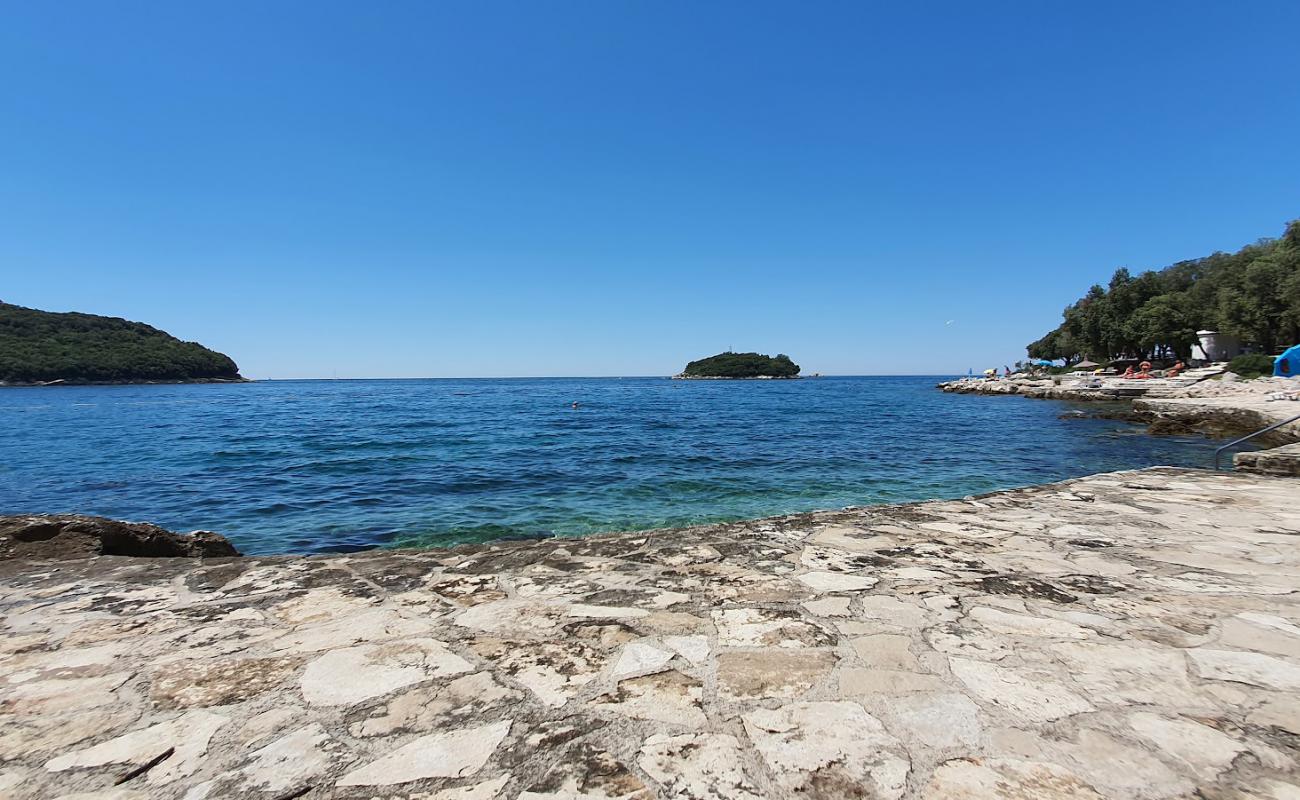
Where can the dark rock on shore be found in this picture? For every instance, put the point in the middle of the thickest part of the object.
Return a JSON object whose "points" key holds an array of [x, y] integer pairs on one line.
{"points": [[64, 536], [1216, 420], [1283, 460], [1124, 413]]}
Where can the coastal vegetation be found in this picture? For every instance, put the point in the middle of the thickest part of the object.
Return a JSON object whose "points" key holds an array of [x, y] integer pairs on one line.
{"points": [[1253, 294], [742, 365], [43, 346], [1251, 365]]}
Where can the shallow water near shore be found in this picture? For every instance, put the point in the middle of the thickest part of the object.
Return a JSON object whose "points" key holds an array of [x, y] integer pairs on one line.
{"points": [[320, 466]]}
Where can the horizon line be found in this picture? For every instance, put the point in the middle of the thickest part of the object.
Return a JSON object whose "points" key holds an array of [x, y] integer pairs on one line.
{"points": [[600, 377]]}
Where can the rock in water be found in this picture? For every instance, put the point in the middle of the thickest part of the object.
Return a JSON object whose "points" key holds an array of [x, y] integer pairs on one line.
{"points": [[60, 536]]}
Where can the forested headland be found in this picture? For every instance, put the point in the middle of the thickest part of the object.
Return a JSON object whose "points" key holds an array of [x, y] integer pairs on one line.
{"points": [[1253, 294], [43, 346]]}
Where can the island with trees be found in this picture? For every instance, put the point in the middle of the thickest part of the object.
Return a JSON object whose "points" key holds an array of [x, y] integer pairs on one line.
{"points": [[43, 347], [1253, 295], [741, 366]]}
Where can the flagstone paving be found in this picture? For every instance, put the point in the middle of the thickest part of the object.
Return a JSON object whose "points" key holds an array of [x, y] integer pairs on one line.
{"points": [[1129, 635]]}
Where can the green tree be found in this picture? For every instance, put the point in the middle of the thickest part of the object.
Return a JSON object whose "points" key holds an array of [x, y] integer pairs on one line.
{"points": [[37, 346], [1253, 294]]}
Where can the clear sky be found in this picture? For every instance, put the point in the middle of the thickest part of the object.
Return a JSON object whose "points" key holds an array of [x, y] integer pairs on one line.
{"points": [[614, 188]]}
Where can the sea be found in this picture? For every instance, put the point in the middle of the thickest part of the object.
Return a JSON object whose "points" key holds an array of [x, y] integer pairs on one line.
{"points": [[346, 465]]}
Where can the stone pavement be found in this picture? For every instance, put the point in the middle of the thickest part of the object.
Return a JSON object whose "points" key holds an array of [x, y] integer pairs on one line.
{"points": [[1128, 635]]}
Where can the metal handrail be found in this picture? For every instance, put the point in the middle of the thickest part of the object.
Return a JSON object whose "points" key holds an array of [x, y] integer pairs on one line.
{"points": [[1247, 437]]}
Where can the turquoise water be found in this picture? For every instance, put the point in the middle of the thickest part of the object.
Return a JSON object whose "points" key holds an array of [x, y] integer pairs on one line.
{"points": [[315, 466]]}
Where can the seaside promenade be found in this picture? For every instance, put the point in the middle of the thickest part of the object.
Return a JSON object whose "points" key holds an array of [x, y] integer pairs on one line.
{"points": [[1125, 635]]}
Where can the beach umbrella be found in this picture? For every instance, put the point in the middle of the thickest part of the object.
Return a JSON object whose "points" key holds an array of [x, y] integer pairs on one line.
{"points": [[1086, 363], [1042, 362], [990, 372]]}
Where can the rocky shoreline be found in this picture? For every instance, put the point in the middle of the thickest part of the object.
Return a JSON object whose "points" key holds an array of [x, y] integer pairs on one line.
{"points": [[1214, 409], [680, 377], [1124, 635], [68, 382]]}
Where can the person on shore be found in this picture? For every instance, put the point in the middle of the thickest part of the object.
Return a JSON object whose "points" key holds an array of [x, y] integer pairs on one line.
{"points": [[1173, 371]]}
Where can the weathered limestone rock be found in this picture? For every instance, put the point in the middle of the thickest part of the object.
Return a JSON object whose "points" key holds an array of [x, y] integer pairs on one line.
{"points": [[457, 754], [55, 695], [421, 708], [694, 649], [1220, 416], [290, 761], [1252, 631], [892, 611], [346, 624], [1113, 674], [828, 582], [641, 657], [1204, 750], [829, 606], [857, 682], [1023, 625], [187, 684], [513, 617], [41, 735], [1118, 769], [938, 720], [698, 766], [1006, 779], [487, 790], [829, 750], [779, 673], [1281, 713], [666, 696], [468, 590], [587, 773], [188, 734], [1284, 460], [1028, 696], [886, 651], [1134, 635], [61, 536], [553, 671], [761, 627], [351, 674], [1257, 669]]}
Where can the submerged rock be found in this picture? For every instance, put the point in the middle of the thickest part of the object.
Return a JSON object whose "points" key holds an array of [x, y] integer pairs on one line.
{"points": [[62, 536]]}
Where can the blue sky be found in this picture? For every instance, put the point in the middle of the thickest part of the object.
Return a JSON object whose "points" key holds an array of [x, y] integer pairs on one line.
{"points": [[614, 188]]}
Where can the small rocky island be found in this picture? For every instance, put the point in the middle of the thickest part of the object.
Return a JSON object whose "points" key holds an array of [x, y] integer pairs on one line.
{"points": [[741, 365], [43, 347]]}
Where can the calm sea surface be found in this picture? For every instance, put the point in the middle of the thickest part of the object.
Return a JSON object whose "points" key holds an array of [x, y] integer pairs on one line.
{"points": [[313, 466]]}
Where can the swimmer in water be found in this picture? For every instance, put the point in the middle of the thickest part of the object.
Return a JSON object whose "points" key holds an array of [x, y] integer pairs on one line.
{"points": [[575, 403]]}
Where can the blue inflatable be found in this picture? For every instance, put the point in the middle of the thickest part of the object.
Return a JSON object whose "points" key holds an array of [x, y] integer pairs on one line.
{"points": [[1287, 365]]}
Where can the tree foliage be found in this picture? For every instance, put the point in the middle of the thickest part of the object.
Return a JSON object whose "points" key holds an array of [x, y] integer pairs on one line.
{"points": [[1253, 294], [45, 346], [1251, 365], [742, 365]]}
